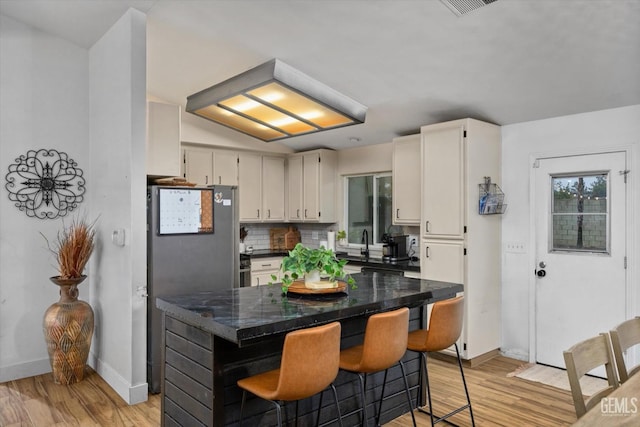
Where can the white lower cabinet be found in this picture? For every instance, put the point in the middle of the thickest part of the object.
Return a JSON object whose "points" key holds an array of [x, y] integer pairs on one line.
{"points": [[442, 260], [263, 268]]}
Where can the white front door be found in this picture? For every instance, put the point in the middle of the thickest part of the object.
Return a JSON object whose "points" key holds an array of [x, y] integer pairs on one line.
{"points": [[580, 220]]}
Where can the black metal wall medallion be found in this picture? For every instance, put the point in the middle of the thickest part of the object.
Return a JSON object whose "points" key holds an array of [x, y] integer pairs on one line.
{"points": [[45, 184]]}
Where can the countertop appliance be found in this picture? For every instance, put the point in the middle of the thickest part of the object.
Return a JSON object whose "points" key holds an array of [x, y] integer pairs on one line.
{"points": [[192, 246], [394, 248]]}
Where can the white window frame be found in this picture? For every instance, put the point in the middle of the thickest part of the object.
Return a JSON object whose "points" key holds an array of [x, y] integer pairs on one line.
{"points": [[345, 210]]}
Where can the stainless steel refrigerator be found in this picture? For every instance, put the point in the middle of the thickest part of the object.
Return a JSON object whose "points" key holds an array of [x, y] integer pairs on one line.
{"points": [[192, 246]]}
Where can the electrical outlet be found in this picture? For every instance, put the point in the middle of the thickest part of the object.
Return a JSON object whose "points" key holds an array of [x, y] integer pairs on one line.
{"points": [[515, 247]]}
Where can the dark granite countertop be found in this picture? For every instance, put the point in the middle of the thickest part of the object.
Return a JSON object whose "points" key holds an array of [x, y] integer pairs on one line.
{"points": [[380, 264], [377, 263], [246, 315]]}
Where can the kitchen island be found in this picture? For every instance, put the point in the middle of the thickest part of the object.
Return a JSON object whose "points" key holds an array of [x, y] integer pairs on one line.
{"points": [[212, 339]]}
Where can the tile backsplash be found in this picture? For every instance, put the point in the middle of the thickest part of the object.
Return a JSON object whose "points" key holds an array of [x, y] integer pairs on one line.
{"points": [[310, 234]]}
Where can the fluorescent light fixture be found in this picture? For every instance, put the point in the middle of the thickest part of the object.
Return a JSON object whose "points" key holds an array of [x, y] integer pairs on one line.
{"points": [[275, 101]]}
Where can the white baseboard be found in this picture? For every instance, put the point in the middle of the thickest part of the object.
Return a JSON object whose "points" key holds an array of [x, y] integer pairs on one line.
{"points": [[131, 394], [24, 370]]}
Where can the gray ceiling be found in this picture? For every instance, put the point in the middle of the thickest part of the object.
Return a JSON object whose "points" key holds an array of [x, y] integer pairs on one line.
{"points": [[412, 62]]}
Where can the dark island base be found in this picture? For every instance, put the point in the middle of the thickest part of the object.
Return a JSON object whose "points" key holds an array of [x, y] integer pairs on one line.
{"points": [[200, 366]]}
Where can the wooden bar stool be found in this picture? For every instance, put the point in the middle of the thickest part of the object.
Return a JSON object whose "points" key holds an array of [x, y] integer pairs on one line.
{"points": [[385, 343], [308, 366], [445, 326]]}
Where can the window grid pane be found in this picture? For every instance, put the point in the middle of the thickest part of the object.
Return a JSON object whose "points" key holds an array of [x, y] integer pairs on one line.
{"points": [[369, 207], [579, 214]]}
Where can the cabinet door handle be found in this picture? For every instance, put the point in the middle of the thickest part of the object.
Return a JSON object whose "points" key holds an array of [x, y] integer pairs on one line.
{"points": [[397, 213], [305, 213], [426, 252], [206, 179], [219, 179], [258, 281], [258, 214], [297, 213], [426, 226], [268, 213]]}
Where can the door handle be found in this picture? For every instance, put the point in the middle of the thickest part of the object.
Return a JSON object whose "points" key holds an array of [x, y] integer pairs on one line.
{"points": [[397, 213], [268, 213], [426, 252], [258, 214], [219, 179], [426, 226]]}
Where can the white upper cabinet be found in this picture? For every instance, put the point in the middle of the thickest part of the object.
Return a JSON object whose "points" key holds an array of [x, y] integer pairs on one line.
{"points": [[315, 172], [198, 166], [205, 166], [249, 187], [261, 187], [273, 183], [406, 180], [163, 139], [442, 182], [225, 167], [295, 190]]}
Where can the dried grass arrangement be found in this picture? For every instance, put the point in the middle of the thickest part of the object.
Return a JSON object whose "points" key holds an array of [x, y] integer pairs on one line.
{"points": [[73, 247]]}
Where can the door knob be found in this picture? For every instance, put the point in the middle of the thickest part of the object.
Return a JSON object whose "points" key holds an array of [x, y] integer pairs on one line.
{"points": [[542, 264], [541, 273]]}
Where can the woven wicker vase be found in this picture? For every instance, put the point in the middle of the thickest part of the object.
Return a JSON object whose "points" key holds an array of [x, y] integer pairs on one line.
{"points": [[68, 329]]}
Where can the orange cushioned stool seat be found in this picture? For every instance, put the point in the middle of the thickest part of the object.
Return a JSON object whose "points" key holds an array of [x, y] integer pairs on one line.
{"points": [[384, 345], [445, 326], [309, 365]]}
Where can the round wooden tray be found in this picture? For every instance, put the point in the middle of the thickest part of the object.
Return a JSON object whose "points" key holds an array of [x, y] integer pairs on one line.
{"points": [[298, 287]]}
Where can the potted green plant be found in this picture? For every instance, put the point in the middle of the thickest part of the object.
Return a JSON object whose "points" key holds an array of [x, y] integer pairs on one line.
{"points": [[303, 262], [342, 237]]}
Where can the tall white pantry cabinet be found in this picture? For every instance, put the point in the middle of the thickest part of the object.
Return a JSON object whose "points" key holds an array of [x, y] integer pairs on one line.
{"points": [[457, 243]]}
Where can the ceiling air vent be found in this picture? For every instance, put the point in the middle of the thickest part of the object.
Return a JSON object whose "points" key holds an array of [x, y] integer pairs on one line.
{"points": [[460, 7]]}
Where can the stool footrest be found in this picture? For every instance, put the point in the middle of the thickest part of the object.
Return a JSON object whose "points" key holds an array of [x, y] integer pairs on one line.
{"points": [[437, 418]]}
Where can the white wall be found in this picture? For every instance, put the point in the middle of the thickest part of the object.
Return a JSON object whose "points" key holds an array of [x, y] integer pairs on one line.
{"points": [[117, 65], [89, 104], [44, 103], [581, 133]]}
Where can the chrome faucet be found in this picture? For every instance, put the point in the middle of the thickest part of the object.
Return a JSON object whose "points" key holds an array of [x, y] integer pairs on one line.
{"points": [[365, 241]]}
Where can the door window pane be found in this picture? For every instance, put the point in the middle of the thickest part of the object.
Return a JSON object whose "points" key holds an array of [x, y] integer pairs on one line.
{"points": [[580, 217]]}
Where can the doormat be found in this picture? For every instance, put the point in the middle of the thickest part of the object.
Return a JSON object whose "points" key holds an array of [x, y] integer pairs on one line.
{"points": [[556, 377]]}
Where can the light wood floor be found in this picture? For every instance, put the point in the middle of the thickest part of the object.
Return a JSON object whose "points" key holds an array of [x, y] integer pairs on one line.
{"points": [[497, 400]]}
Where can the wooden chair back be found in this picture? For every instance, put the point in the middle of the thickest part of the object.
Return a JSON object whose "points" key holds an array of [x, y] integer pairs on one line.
{"points": [[582, 358], [623, 337]]}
